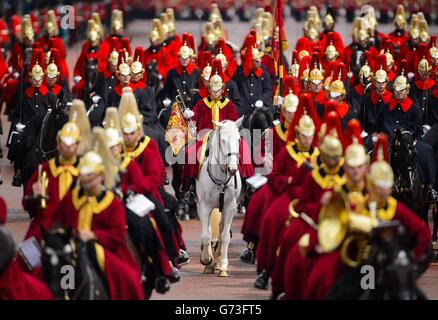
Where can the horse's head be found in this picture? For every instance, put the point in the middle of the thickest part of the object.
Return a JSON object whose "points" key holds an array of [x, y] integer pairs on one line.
{"points": [[58, 248], [403, 149], [7, 248], [228, 144]]}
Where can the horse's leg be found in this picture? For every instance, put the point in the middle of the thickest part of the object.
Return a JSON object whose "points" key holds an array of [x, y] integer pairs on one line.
{"points": [[435, 223], [230, 208], [218, 248], [204, 216]]}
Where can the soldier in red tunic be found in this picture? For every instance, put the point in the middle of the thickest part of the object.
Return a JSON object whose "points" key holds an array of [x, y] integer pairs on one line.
{"points": [[324, 177], [157, 52], [277, 137], [85, 69], [61, 172], [96, 214], [291, 166], [399, 36], [377, 206]]}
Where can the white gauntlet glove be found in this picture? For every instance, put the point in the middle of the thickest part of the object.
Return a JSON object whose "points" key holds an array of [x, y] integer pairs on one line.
{"points": [[188, 114]]}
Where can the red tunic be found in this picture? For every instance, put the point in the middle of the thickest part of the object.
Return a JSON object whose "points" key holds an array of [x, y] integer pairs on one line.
{"points": [[147, 155], [289, 163], [260, 198], [160, 56], [59, 177], [3, 211], [15, 284], [329, 267], [105, 216], [207, 110]]}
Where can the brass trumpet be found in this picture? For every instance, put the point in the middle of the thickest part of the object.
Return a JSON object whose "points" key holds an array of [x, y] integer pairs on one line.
{"points": [[44, 182], [346, 230]]}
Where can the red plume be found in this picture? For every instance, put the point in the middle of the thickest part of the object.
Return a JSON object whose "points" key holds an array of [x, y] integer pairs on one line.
{"points": [[387, 45], [204, 59], [126, 45], [380, 151], [305, 105], [247, 62], [304, 64], [340, 70], [333, 121], [216, 68], [353, 133], [122, 58], [382, 63], [203, 44], [315, 61], [404, 66], [37, 55], [295, 57], [432, 41], [188, 39], [290, 85], [268, 8], [331, 69], [138, 55]]}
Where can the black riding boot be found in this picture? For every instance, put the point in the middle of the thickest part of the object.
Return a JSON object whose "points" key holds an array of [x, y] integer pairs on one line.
{"points": [[432, 195], [263, 280], [248, 254]]}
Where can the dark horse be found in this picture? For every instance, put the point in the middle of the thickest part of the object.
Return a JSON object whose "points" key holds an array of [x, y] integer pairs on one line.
{"points": [[256, 122], [154, 81], [394, 272], [61, 249], [90, 78], [408, 187], [40, 139]]}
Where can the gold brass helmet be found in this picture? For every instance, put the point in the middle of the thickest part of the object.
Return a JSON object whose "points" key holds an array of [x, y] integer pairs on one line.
{"points": [[70, 133], [216, 83], [113, 136], [305, 75], [117, 22], [99, 26], [414, 27], [294, 69], [306, 126], [185, 52], [355, 155], [52, 71], [157, 33], [311, 30], [92, 31], [365, 72], [331, 52], [267, 25], [37, 72], [389, 60], [381, 76], [215, 13], [337, 89], [400, 17], [328, 21], [99, 160], [381, 175], [131, 119], [401, 83], [220, 56], [210, 34], [171, 21], [123, 68], [113, 58], [27, 29], [423, 66], [137, 66], [206, 72], [424, 31], [316, 75], [257, 55], [165, 24], [78, 115], [51, 26], [331, 146], [290, 103], [363, 35], [433, 51]]}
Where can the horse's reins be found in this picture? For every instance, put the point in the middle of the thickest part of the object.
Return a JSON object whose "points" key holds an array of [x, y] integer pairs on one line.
{"points": [[221, 183], [45, 120]]}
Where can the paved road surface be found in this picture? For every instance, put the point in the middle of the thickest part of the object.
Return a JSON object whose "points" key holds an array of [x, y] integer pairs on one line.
{"points": [[194, 285]]}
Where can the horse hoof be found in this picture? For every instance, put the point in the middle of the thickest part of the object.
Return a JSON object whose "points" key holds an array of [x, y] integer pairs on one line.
{"points": [[223, 273], [206, 264], [209, 270], [217, 267]]}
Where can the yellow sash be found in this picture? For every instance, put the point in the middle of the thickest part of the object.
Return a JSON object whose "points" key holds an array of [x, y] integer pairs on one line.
{"points": [[280, 133], [87, 207], [65, 174], [215, 106], [133, 154], [300, 157]]}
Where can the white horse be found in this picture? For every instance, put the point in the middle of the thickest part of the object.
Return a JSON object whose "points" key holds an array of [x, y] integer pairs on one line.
{"points": [[219, 174]]}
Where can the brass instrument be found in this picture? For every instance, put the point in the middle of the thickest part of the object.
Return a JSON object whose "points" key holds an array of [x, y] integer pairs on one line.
{"points": [[342, 227], [44, 182], [295, 215]]}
